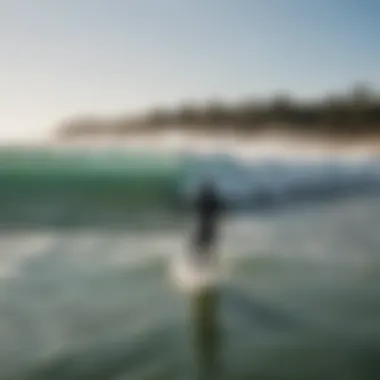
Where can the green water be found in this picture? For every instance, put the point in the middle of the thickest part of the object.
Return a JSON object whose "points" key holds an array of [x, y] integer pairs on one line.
{"points": [[39, 187], [86, 290]]}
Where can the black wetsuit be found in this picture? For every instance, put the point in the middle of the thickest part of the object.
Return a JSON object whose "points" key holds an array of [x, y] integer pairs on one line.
{"points": [[208, 207]]}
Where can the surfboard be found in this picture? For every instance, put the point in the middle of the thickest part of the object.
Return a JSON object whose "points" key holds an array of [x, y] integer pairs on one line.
{"points": [[193, 272]]}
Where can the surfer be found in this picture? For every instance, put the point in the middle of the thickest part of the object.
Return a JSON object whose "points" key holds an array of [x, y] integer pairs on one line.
{"points": [[208, 207]]}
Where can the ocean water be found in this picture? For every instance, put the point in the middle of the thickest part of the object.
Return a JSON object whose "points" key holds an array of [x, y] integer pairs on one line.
{"points": [[88, 243]]}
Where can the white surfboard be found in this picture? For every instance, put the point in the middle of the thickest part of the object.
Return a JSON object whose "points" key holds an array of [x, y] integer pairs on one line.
{"points": [[192, 272]]}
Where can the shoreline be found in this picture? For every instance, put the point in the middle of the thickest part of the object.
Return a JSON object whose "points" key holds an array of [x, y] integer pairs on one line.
{"points": [[273, 145]]}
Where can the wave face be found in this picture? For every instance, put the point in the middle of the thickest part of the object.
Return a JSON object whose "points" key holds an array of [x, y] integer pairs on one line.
{"points": [[264, 183], [86, 188], [75, 188]]}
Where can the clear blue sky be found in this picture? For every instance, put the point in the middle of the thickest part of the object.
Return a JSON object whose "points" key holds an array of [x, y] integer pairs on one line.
{"points": [[66, 57]]}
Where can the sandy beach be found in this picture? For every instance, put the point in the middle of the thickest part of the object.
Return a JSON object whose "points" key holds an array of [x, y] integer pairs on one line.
{"points": [[269, 145]]}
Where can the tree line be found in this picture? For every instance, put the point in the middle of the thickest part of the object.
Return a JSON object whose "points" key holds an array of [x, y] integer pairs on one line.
{"points": [[354, 113]]}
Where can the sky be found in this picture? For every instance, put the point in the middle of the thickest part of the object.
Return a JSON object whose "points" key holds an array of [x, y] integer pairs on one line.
{"points": [[65, 58]]}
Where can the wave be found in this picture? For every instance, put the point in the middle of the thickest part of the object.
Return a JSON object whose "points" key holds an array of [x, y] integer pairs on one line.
{"points": [[104, 188], [274, 182]]}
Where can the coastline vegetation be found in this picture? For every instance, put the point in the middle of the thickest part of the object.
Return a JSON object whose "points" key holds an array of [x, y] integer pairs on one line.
{"points": [[353, 114]]}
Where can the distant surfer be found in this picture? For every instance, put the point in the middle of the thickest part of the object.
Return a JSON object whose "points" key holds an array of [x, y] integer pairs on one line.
{"points": [[208, 207]]}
